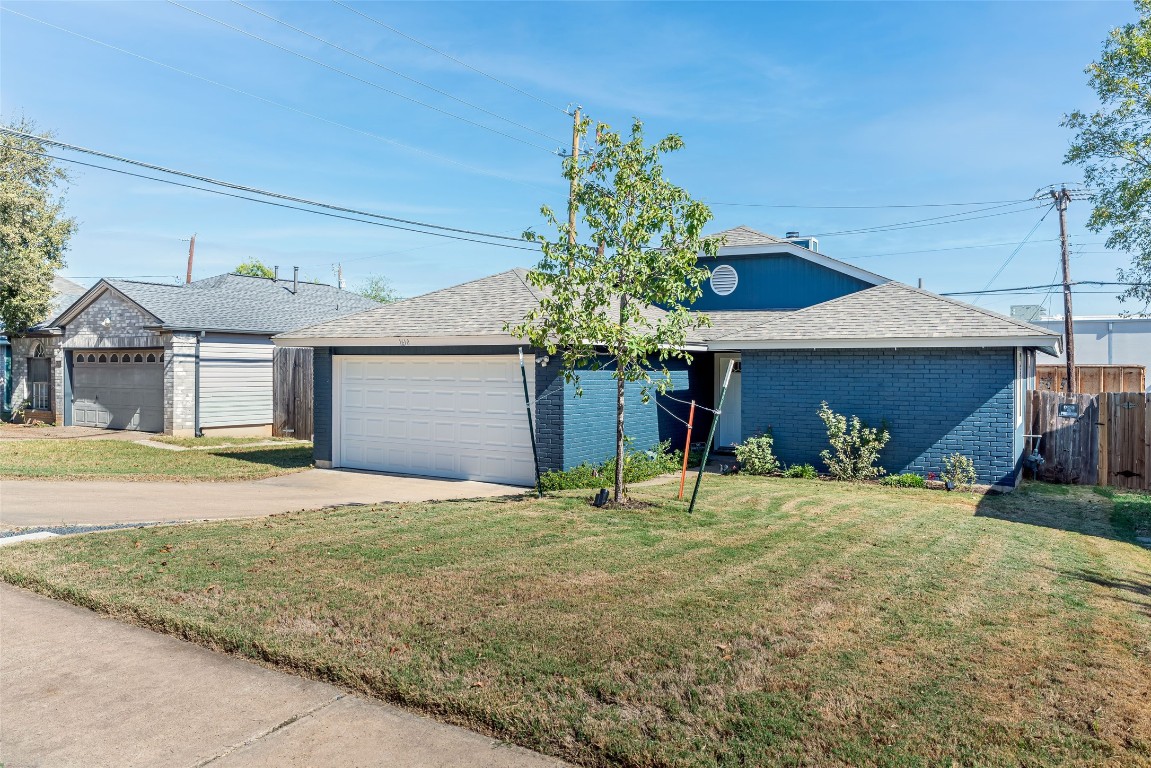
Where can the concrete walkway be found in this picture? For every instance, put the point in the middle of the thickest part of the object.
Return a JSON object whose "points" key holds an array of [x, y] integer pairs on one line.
{"points": [[82, 689], [25, 503]]}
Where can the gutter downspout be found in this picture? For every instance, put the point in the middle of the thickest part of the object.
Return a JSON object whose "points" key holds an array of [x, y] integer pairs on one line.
{"points": [[196, 422]]}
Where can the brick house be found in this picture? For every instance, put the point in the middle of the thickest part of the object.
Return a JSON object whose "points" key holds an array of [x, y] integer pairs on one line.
{"points": [[432, 385], [182, 359]]}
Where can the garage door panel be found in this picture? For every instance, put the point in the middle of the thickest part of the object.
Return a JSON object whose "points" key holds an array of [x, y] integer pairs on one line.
{"points": [[437, 415], [118, 395]]}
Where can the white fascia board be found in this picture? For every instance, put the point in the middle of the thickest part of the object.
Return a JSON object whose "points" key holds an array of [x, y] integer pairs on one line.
{"points": [[803, 253], [286, 340], [904, 343]]}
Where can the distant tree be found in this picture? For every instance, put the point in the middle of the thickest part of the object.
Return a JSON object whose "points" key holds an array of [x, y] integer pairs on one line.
{"points": [[379, 288], [255, 268], [642, 239], [34, 232], [1113, 145]]}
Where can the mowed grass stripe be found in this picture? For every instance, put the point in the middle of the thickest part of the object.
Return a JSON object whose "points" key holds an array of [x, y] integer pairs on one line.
{"points": [[787, 623]]}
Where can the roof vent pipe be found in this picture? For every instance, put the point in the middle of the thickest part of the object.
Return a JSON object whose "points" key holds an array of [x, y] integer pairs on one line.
{"points": [[275, 274], [295, 279], [921, 283]]}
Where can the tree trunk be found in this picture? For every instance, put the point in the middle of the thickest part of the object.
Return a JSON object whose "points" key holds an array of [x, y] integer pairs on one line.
{"points": [[619, 382], [619, 447]]}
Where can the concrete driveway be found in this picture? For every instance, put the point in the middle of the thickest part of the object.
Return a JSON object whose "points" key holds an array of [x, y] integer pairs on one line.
{"points": [[83, 689], [26, 503]]}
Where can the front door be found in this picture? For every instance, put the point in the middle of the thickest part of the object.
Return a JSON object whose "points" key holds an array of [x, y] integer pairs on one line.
{"points": [[729, 433]]}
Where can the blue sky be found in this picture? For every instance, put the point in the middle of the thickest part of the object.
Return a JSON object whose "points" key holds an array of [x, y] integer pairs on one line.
{"points": [[837, 104]]}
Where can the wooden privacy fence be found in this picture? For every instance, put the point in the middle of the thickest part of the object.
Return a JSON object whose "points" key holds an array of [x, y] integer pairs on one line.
{"points": [[1098, 439], [1092, 379], [292, 392]]}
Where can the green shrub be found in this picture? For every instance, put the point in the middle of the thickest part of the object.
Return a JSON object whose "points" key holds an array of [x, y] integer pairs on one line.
{"points": [[805, 471], [854, 447], [637, 467], [755, 457], [958, 470], [906, 480]]}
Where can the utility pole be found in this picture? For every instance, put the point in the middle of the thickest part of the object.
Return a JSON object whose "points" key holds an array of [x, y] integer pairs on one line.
{"points": [[191, 255], [575, 162], [1062, 198], [340, 276]]}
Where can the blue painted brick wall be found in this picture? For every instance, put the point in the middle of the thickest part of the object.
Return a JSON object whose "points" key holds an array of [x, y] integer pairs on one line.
{"points": [[589, 420], [322, 403], [935, 402]]}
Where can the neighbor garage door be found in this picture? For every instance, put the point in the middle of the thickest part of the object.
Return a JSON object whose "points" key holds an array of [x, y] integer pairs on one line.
{"points": [[445, 416], [119, 389]]}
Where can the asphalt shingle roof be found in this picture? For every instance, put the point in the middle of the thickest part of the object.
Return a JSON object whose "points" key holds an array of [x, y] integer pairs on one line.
{"points": [[241, 303], [741, 236], [889, 311]]}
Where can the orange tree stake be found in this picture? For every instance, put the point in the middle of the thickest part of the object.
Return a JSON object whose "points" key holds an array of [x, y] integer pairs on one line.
{"points": [[686, 449]]}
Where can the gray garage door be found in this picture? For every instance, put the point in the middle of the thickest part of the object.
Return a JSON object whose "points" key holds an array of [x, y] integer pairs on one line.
{"points": [[119, 389]]}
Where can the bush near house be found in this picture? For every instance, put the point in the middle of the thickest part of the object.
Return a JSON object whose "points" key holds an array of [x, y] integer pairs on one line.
{"points": [[854, 447], [959, 471], [755, 455], [906, 480], [804, 471], [637, 467]]}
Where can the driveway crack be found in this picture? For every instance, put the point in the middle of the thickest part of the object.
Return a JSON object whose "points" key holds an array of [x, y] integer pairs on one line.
{"points": [[265, 734]]}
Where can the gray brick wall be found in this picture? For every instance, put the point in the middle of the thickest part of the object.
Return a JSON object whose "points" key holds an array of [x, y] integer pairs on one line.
{"points": [[934, 402], [24, 348]]}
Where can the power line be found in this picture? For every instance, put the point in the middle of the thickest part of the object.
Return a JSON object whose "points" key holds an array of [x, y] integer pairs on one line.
{"points": [[253, 190], [398, 73], [450, 57], [370, 134], [1039, 288], [931, 221], [1011, 256], [362, 80], [273, 203], [866, 207]]}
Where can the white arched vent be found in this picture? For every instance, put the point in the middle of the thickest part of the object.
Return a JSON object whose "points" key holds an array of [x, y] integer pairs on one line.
{"points": [[724, 279]]}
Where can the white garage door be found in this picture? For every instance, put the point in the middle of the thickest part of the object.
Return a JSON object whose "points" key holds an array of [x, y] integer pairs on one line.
{"points": [[459, 416]]}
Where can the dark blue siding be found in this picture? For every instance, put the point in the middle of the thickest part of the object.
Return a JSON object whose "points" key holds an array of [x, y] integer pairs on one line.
{"points": [[589, 420], [933, 401], [322, 404], [777, 281]]}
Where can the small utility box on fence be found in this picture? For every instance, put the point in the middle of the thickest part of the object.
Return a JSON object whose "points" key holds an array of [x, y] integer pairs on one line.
{"points": [[1100, 439]]}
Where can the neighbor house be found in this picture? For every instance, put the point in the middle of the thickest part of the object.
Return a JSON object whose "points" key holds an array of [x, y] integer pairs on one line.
{"points": [[432, 385], [26, 360], [182, 359]]}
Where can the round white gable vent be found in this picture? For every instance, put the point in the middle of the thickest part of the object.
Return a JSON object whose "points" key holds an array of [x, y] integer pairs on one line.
{"points": [[724, 278]]}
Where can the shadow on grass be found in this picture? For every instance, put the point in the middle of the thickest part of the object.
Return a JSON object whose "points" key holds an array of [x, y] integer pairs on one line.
{"points": [[296, 457], [1080, 509], [1135, 591]]}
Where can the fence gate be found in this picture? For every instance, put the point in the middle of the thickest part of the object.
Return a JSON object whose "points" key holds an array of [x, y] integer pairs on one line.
{"points": [[292, 414], [1093, 439]]}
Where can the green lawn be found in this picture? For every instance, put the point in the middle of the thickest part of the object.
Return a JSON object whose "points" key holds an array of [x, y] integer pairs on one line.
{"points": [[123, 460], [789, 622]]}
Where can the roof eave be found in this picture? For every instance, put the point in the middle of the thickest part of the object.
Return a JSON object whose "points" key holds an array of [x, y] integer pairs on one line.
{"points": [[934, 342], [804, 253]]}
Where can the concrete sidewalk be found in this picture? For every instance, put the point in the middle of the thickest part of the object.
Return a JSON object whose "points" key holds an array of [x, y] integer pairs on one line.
{"points": [[77, 688], [26, 503]]}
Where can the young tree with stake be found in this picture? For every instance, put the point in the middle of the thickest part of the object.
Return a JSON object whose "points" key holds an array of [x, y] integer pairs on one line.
{"points": [[617, 300]]}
